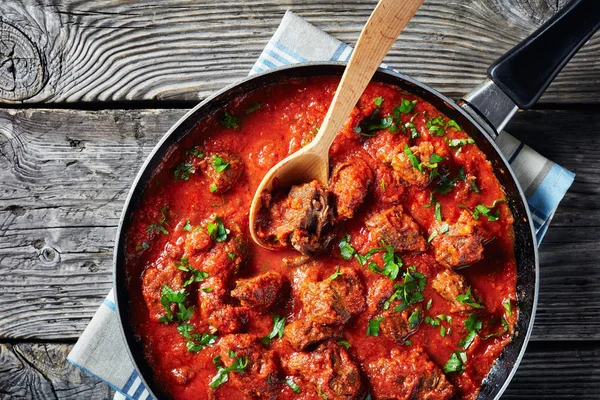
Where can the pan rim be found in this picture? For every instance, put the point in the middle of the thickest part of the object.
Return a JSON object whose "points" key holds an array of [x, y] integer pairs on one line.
{"points": [[118, 274]]}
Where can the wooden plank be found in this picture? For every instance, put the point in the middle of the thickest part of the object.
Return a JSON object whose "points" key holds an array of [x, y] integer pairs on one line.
{"points": [[66, 173], [41, 371], [106, 50], [548, 371]]}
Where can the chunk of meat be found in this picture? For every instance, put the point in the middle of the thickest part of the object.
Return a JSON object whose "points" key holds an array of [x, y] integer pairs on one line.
{"points": [[396, 325], [303, 333], [350, 183], [333, 301], [298, 219], [406, 376], [396, 228], [182, 375], [329, 369], [221, 316], [260, 378], [230, 166], [162, 272], [260, 292], [224, 258], [403, 167], [462, 244], [450, 284], [197, 242]]}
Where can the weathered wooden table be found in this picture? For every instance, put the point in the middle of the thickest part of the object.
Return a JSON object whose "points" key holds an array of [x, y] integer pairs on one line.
{"points": [[87, 87]]}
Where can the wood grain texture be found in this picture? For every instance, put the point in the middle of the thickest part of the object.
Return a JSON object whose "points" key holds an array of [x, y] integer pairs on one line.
{"points": [[41, 371], [109, 50], [66, 173]]}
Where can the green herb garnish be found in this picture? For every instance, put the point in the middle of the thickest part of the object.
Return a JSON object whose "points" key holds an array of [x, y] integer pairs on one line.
{"points": [[238, 365], [217, 230], [373, 327], [276, 331], [456, 362], [468, 299], [230, 121], [219, 164], [253, 108]]}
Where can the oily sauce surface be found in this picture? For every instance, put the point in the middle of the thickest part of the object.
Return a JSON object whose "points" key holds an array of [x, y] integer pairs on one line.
{"points": [[172, 210]]}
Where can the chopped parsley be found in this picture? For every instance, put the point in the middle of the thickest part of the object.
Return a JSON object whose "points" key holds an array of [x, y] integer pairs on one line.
{"points": [[459, 142], [474, 186], [217, 230], [405, 107], [197, 152], [253, 108], [230, 121], [196, 341], [412, 158], [487, 211], [473, 325], [456, 362], [412, 129], [373, 327], [414, 319], [276, 331], [391, 264], [160, 226], [187, 227], [295, 388], [435, 126], [410, 291], [213, 188], [336, 274], [344, 343], [468, 299], [346, 249], [219, 164], [170, 296], [438, 211], [452, 124], [197, 275], [142, 246], [381, 123], [378, 101], [238, 365], [445, 185], [182, 171], [429, 304], [507, 306], [461, 174], [362, 259]]}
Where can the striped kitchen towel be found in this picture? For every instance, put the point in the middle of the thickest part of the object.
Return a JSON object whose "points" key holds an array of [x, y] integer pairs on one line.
{"points": [[101, 349]]}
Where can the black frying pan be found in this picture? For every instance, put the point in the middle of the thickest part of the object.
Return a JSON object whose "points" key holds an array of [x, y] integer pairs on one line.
{"points": [[516, 80]]}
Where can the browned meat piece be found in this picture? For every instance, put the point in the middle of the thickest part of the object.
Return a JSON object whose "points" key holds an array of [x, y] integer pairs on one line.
{"points": [[333, 301], [349, 183], [396, 228], [260, 378], [403, 167], [197, 241], [296, 261], [303, 333], [229, 319], [230, 167], [182, 375], [224, 258], [406, 376], [298, 219], [461, 245], [329, 369], [396, 325], [222, 317], [260, 292], [162, 272], [450, 284]]}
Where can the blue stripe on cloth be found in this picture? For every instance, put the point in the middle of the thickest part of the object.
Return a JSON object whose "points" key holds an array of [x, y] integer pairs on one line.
{"points": [[139, 390], [267, 63], [87, 371], [545, 199], [516, 153], [338, 52], [276, 56], [129, 382], [108, 303], [289, 52]]}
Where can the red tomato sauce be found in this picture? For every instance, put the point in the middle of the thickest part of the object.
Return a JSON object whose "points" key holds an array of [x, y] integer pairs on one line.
{"points": [[171, 210]]}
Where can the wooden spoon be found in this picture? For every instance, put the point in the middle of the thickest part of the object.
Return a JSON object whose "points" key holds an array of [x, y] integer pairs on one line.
{"points": [[312, 162]]}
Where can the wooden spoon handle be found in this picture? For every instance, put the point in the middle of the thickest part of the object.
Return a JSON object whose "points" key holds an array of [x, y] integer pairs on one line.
{"points": [[383, 27]]}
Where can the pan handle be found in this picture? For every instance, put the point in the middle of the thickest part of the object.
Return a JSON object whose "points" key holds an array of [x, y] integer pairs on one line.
{"points": [[519, 78]]}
